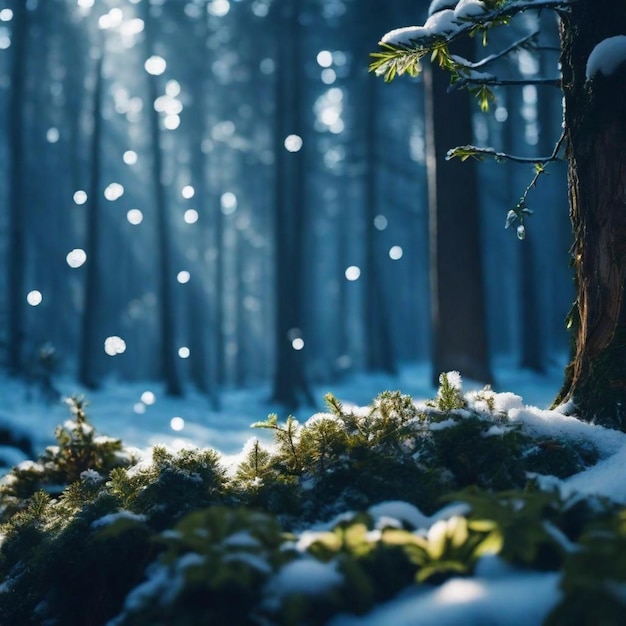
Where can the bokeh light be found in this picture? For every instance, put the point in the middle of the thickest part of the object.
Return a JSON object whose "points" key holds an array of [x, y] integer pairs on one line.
{"points": [[353, 273], [396, 253], [293, 143], [183, 277], [34, 297], [177, 423], [76, 257], [80, 197], [155, 65], [114, 345]]}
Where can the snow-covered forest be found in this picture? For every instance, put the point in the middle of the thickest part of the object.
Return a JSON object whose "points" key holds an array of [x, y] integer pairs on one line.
{"points": [[388, 237], [192, 188]]}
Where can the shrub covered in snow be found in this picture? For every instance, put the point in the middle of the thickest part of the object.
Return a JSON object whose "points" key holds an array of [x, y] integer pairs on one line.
{"points": [[417, 496]]}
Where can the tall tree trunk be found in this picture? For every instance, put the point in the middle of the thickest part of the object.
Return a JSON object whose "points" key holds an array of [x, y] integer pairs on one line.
{"points": [[595, 121], [169, 354], [457, 288], [16, 258], [379, 354], [290, 385], [90, 318]]}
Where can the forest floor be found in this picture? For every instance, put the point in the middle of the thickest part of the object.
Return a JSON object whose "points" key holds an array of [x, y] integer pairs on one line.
{"points": [[142, 415]]}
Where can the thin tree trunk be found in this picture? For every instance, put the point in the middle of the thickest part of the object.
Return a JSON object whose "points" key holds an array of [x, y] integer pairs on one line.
{"points": [[16, 258], [379, 354], [90, 318], [595, 120], [169, 353]]}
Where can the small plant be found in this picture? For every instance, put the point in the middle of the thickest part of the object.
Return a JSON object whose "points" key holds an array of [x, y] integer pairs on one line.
{"points": [[450, 393], [79, 449]]}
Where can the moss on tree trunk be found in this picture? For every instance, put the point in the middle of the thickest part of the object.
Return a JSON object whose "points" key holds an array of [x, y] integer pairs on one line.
{"points": [[595, 121]]}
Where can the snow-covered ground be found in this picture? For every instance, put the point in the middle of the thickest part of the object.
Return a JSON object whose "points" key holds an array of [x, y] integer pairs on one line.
{"points": [[497, 594], [142, 415]]}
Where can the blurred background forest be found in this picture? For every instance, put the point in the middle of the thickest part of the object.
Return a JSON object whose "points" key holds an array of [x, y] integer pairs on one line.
{"points": [[216, 193]]}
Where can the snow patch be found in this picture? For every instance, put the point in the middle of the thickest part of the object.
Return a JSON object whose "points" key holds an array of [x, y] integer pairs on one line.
{"points": [[440, 5], [401, 511], [111, 518], [607, 56], [517, 600], [442, 22], [305, 576]]}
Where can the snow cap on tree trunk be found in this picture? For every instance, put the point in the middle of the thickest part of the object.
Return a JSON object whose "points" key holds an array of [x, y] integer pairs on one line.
{"points": [[607, 56]]}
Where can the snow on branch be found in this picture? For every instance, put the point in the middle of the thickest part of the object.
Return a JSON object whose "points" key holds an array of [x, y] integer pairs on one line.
{"points": [[402, 49]]}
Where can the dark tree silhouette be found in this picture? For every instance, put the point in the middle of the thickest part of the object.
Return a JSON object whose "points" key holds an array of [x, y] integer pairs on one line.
{"points": [[17, 220], [457, 286], [90, 317], [290, 384], [167, 335]]}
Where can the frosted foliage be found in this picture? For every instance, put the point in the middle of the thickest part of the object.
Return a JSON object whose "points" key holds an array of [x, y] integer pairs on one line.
{"points": [[469, 8]]}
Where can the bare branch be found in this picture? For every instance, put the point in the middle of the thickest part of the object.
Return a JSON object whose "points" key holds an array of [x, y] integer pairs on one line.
{"points": [[503, 82], [517, 45], [477, 152]]}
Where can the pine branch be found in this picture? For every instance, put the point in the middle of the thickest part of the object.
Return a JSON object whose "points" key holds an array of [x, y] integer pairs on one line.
{"points": [[400, 58]]}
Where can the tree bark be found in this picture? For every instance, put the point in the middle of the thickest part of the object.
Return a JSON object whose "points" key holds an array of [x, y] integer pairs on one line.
{"points": [[457, 288], [90, 315], [595, 121], [167, 322], [380, 350], [291, 387], [16, 257]]}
